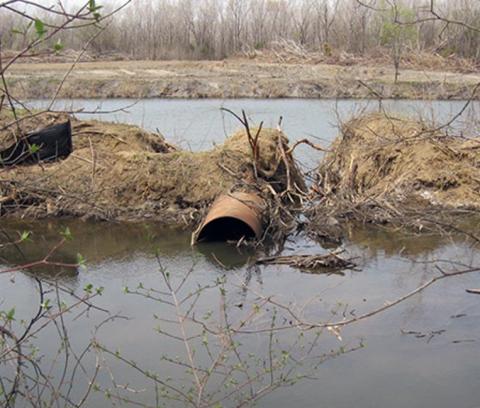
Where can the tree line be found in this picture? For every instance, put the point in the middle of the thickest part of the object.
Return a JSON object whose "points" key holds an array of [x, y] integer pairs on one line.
{"points": [[217, 29]]}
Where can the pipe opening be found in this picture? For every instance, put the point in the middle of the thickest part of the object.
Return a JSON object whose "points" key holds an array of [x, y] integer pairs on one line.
{"points": [[225, 229]]}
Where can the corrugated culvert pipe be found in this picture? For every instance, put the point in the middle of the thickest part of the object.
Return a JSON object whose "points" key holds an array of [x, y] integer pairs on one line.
{"points": [[232, 217]]}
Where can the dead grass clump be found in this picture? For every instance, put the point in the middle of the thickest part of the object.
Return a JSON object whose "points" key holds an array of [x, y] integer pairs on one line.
{"points": [[386, 169], [436, 62]]}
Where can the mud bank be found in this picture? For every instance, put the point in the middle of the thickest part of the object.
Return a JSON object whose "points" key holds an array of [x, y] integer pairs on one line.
{"points": [[392, 170], [233, 79], [381, 170], [120, 172]]}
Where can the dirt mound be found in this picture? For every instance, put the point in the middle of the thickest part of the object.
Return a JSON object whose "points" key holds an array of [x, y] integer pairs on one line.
{"points": [[382, 169], [122, 172], [112, 137]]}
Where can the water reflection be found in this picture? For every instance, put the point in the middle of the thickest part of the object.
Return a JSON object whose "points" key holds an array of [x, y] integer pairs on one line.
{"points": [[401, 370], [100, 243], [226, 256], [96, 242], [391, 241]]}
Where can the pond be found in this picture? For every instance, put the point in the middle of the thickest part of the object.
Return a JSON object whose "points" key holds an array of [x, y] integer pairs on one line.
{"points": [[127, 349]]}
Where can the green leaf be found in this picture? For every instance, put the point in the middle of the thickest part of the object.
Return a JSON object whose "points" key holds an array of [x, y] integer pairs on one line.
{"points": [[25, 236], [33, 148], [58, 46], [40, 28], [93, 8], [46, 304], [88, 288], [11, 314], [67, 234], [81, 260]]}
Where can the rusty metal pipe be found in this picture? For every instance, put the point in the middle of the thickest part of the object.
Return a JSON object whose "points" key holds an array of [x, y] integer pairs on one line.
{"points": [[231, 217]]}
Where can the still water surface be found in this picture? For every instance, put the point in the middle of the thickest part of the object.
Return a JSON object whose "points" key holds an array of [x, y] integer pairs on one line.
{"points": [[424, 352]]}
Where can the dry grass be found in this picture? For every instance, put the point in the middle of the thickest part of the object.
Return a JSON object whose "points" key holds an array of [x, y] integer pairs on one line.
{"points": [[122, 172], [288, 52], [399, 171]]}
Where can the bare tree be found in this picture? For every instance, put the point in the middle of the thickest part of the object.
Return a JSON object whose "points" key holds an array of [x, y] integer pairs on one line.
{"points": [[159, 29]]}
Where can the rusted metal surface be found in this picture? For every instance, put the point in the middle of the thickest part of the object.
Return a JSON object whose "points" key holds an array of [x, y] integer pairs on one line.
{"points": [[231, 217]]}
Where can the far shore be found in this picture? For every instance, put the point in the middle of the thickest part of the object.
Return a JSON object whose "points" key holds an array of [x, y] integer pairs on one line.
{"points": [[233, 79]]}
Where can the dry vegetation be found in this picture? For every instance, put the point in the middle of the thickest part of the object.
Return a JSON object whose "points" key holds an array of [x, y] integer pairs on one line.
{"points": [[122, 172], [126, 173], [381, 169], [391, 170]]}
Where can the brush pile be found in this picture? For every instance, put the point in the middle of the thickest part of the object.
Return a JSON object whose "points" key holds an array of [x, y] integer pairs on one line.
{"points": [[385, 169]]}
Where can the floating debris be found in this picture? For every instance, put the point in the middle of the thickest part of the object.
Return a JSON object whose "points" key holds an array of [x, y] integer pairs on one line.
{"points": [[331, 261]]}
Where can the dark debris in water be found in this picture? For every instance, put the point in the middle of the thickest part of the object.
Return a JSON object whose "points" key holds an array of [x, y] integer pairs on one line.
{"points": [[326, 262]]}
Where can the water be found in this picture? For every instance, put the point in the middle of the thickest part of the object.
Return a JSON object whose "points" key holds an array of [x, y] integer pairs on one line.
{"points": [[421, 353], [393, 369]]}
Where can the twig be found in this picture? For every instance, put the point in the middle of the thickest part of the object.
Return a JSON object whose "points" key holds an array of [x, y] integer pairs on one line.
{"points": [[252, 140], [308, 142]]}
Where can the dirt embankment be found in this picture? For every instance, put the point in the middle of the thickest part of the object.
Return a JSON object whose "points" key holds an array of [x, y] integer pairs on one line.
{"points": [[381, 169], [120, 172], [384, 169], [237, 78]]}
